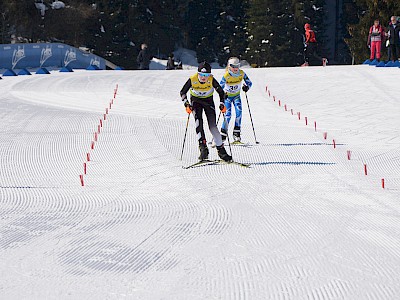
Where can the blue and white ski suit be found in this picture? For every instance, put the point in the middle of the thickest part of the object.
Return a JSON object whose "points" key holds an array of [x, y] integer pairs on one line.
{"points": [[232, 83]]}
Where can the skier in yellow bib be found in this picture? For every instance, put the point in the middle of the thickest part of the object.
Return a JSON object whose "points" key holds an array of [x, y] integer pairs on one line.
{"points": [[201, 86], [231, 82]]}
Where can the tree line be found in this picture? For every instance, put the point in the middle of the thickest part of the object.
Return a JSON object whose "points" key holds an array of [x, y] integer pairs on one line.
{"points": [[264, 32]]}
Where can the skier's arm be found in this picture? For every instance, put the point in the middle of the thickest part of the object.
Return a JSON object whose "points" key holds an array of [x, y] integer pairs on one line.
{"points": [[247, 80], [185, 89], [219, 90], [223, 82]]}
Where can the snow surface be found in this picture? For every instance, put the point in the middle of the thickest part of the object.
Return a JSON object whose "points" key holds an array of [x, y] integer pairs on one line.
{"points": [[303, 222]]}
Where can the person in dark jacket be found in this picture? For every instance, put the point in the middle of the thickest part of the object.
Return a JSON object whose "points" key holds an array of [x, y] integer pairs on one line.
{"points": [[171, 62], [393, 33], [144, 58], [201, 86]]}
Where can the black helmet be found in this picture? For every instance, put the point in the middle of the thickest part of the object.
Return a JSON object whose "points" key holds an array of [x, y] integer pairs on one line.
{"points": [[204, 67]]}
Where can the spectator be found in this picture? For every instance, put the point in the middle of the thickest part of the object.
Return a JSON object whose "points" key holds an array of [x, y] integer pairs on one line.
{"points": [[393, 33], [375, 38], [171, 62], [310, 51], [144, 58]]}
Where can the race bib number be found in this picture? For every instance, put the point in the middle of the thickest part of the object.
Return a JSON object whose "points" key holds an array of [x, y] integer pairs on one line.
{"points": [[233, 88]]}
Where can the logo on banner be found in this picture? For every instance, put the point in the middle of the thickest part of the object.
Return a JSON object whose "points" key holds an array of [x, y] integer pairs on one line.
{"points": [[95, 62], [70, 56], [18, 55], [46, 54]]}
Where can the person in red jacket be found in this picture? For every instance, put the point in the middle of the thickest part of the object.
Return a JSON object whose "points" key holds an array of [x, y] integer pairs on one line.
{"points": [[310, 51], [375, 39]]}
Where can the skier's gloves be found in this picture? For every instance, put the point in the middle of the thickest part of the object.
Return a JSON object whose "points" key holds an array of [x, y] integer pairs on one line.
{"points": [[222, 107], [245, 88], [188, 107]]}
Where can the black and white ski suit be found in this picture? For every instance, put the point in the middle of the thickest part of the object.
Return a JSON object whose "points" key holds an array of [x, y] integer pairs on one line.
{"points": [[201, 99]]}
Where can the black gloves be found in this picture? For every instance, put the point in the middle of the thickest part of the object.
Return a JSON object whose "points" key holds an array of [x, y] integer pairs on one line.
{"points": [[222, 107], [245, 88], [187, 105]]}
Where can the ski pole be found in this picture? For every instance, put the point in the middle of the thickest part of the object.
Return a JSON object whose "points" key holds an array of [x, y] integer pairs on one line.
{"points": [[218, 117], [227, 136], [251, 119], [184, 139]]}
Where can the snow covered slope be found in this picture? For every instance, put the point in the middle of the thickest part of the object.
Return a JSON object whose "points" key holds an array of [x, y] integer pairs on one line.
{"points": [[303, 222]]}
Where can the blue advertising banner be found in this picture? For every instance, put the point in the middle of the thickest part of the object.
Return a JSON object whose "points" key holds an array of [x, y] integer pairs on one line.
{"points": [[56, 55]]}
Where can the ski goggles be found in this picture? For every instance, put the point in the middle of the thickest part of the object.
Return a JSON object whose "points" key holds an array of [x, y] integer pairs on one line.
{"points": [[234, 65], [204, 74]]}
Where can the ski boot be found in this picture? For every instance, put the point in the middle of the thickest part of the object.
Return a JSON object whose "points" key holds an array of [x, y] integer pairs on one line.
{"points": [[236, 134], [224, 134], [222, 153], [203, 150]]}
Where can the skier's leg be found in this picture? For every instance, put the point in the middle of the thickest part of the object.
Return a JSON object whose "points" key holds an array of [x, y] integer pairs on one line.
{"points": [[228, 115], [238, 120], [210, 113], [211, 119], [198, 116]]}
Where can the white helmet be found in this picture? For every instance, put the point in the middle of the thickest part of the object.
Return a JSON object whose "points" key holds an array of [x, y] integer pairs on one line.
{"points": [[234, 62]]}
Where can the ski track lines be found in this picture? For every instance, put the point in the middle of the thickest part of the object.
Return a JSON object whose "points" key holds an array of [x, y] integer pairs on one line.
{"points": [[299, 224], [354, 130]]}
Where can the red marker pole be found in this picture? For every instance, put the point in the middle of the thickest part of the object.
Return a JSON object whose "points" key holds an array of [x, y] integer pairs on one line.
{"points": [[291, 110], [279, 102], [334, 144], [101, 123], [274, 98], [365, 169], [266, 88], [88, 156], [348, 154], [325, 134], [269, 94], [95, 136], [84, 168], [298, 114], [105, 116], [98, 128], [383, 183], [81, 178], [306, 120], [315, 125], [285, 107], [107, 110], [92, 145], [110, 105]]}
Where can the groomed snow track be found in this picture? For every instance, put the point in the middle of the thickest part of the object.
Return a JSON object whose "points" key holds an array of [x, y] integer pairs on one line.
{"points": [[303, 222]]}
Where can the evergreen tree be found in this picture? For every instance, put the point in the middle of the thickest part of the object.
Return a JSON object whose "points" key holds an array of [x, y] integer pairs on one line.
{"points": [[232, 29], [270, 26], [201, 20]]}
